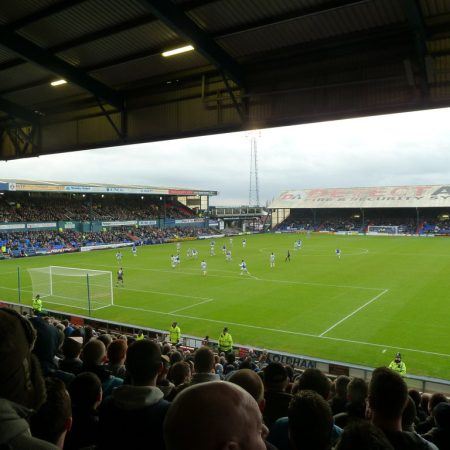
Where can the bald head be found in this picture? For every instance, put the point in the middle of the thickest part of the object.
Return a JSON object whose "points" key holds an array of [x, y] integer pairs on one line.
{"points": [[219, 415], [249, 381]]}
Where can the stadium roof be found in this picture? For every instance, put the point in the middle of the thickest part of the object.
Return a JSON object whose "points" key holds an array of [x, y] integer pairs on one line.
{"points": [[366, 197], [95, 188], [256, 63]]}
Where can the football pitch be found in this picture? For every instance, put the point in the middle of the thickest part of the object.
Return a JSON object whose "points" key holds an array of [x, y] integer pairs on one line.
{"points": [[385, 294]]}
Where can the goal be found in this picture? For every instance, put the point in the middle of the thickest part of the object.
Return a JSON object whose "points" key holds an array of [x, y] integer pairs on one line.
{"points": [[79, 288], [383, 229]]}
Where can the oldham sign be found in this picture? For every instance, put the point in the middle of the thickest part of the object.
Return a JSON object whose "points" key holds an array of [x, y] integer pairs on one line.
{"points": [[366, 197]]}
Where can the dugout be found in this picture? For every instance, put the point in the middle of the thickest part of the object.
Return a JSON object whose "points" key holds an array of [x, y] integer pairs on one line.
{"points": [[383, 209]]}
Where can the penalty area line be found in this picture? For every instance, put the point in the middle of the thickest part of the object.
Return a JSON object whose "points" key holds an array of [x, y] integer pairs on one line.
{"points": [[169, 294], [354, 312], [191, 306]]}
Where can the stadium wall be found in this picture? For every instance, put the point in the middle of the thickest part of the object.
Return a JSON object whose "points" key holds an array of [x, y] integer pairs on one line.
{"points": [[98, 226]]}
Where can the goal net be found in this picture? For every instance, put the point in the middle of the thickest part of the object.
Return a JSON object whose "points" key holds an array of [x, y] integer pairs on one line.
{"points": [[383, 229], [80, 288]]}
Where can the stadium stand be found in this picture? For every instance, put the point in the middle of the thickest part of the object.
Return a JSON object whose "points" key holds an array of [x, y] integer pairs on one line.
{"points": [[36, 242], [79, 208]]}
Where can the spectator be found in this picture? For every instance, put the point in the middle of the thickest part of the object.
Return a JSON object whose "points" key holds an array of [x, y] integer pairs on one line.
{"points": [[49, 340], [218, 415], [314, 380], [162, 382], [440, 434], [134, 413], [409, 415], [428, 423], [339, 400], [106, 339], [71, 361], [310, 380], [86, 394], [249, 381], [421, 414], [388, 394], [204, 366], [116, 353], [180, 374], [277, 400], [94, 356], [53, 419], [310, 422], [68, 328], [357, 391], [22, 387], [361, 435]]}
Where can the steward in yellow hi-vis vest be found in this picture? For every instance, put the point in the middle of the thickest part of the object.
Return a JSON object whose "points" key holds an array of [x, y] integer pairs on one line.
{"points": [[398, 365], [225, 341], [174, 333], [140, 336], [37, 304]]}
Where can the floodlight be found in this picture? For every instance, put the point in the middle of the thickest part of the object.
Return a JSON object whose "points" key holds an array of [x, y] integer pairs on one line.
{"points": [[177, 51], [58, 82]]}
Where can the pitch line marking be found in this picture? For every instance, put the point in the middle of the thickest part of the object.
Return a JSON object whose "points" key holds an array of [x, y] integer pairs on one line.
{"points": [[8, 273], [170, 294], [296, 333], [190, 271], [353, 252], [354, 312], [191, 306]]}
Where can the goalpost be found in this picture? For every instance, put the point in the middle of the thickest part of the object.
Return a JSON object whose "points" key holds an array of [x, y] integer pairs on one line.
{"points": [[383, 229], [80, 288]]}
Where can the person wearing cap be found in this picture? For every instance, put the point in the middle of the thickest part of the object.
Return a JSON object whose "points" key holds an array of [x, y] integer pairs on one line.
{"points": [[37, 305], [140, 336], [225, 341], [398, 365], [174, 333]]}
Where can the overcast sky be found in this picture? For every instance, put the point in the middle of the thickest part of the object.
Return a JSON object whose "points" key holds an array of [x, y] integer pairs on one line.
{"points": [[399, 149]]}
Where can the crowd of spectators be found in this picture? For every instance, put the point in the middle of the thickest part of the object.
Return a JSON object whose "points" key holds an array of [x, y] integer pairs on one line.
{"points": [[431, 222], [38, 209], [337, 223], [104, 391], [435, 226], [19, 244]]}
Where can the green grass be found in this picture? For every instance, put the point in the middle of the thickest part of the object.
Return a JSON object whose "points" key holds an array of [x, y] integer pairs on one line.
{"points": [[386, 294]]}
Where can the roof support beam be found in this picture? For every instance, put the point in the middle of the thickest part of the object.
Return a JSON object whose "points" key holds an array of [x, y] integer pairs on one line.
{"points": [[300, 13], [18, 112], [417, 24], [43, 13], [43, 58], [177, 20]]}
